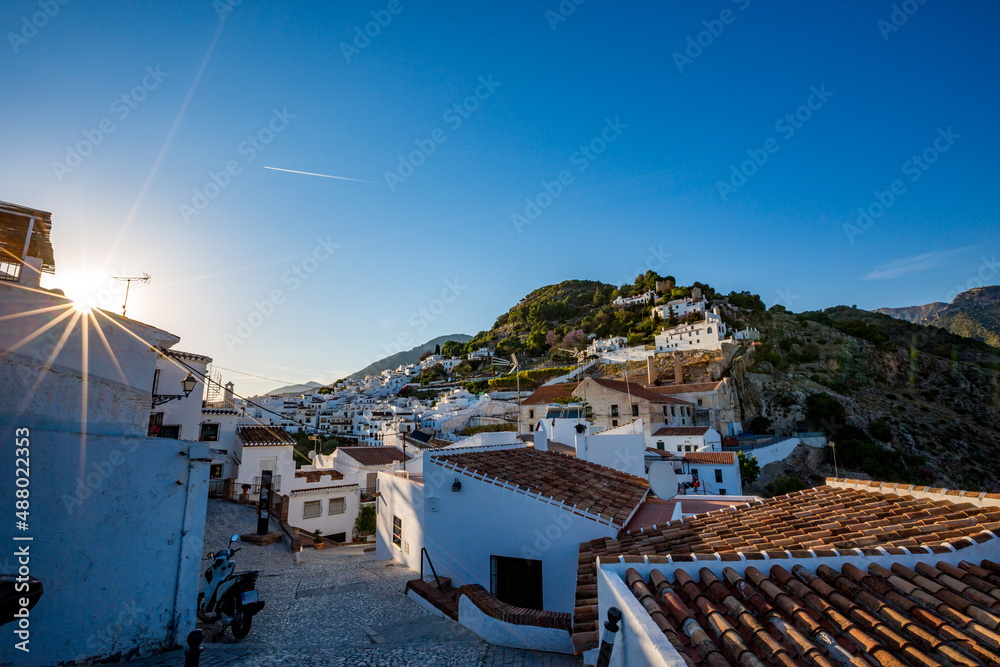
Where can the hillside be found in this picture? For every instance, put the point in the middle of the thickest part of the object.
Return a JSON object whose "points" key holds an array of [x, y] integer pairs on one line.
{"points": [[973, 314], [295, 389], [903, 402], [410, 356]]}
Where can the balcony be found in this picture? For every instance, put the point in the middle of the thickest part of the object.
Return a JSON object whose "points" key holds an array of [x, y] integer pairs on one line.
{"points": [[368, 494]]}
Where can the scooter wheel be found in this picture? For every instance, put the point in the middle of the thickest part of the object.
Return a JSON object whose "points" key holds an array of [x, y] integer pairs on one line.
{"points": [[204, 616], [241, 625]]}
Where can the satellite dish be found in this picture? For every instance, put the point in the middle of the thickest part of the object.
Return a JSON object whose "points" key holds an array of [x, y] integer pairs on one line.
{"points": [[663, 479], [312, 454]]}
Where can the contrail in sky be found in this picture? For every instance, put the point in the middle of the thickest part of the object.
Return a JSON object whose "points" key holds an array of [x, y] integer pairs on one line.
{"points": [[309, 173]]}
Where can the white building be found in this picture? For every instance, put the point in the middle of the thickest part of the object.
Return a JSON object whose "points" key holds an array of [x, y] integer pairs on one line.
{"points": [[605, 345], [260, 449], [109, 506], [704, 473], [506, 517], [707, 334], [681, 307], [645, 297], [481, 353], [680, 439]]}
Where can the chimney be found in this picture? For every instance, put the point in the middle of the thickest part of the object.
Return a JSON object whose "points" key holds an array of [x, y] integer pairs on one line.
{"points": [[678, 369], [541, 440], [229, 393], [650, 370], [31, 272]]}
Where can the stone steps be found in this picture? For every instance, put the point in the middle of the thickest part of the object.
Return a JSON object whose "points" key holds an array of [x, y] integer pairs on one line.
{"points": [[444, 599]]}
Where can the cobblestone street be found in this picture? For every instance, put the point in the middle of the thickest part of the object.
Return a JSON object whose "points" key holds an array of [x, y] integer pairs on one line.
{"points": [[336, 606]]}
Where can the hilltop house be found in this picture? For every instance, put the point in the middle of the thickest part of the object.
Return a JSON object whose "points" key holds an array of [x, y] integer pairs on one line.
{"points": [[645, 297], [259, 449], [681, 308]]}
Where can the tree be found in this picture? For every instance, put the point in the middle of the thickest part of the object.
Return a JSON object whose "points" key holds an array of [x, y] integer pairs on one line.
{"points": [[452, 348], [437, 349], [749, 468], [671, 316], [760, 425], [425, 355], [365, 523]]}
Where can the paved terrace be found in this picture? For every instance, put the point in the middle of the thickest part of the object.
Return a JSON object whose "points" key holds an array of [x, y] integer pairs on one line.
{"points": [[337, 607]]}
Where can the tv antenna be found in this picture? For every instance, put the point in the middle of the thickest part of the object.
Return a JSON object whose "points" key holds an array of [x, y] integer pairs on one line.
{"points": [[144, 278]]}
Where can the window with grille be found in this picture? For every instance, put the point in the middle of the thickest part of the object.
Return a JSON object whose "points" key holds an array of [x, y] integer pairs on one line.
{"points": [[209, 433], [635, 410], [397, 531], [336, 505], [312, 509]]}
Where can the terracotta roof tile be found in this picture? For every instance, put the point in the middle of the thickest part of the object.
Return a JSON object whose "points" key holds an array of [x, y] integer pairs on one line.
{"points": [[682, 430], [612, 494], [847, 616], [375, 456], [550, 393], [828, 518], [638, 391], [263, 436]]}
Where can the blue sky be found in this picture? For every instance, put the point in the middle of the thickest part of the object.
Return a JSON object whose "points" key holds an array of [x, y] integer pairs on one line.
{"points": [[642, 110]]}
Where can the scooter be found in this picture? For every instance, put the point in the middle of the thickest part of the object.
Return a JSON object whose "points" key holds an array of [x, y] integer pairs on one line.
{"points": [[231, 598], [13, 591]]}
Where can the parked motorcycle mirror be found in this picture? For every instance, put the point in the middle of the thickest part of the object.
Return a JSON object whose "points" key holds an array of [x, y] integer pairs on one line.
{"points": [[235, 538]]}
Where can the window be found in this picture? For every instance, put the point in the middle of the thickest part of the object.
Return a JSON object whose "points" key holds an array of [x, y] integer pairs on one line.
{"points": [[531, 414], [718, 476], [679, 448], [397, 531], [338, 537], [665, 411], [687, 448], [699, 402], [673, 410], [312, 509], [156, 380], [710, 330], [614, 410], [659, 444], [336, 505], [722, 492], [215, 472], [635, 410], [209, 433], [614, 422]]}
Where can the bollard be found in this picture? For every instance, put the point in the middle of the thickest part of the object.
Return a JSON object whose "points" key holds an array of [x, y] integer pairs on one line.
{"points": [[193, 654], [608, 641]]}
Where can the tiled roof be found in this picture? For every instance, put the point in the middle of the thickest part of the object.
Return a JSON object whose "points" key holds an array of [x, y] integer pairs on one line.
{"points": [[889, 614], [375, 456], [719, 458], [682, 430], [578, 484], [817, 521], [638, 391], [335, 487], [263, 436], [189, 356], [685, 388], [550, 393]]}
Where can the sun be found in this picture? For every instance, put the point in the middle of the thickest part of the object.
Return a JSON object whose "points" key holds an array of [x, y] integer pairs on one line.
{"points": [[87, 289]]}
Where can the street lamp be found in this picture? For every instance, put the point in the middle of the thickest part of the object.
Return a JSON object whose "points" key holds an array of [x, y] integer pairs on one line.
{"points": [[187, 384]]}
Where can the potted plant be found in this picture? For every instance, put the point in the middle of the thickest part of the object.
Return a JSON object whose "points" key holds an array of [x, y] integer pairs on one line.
{"points": [[318, 539]]}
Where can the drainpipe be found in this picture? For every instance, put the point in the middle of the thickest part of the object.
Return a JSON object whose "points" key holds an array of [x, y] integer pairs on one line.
{"points": [[196, 453]]}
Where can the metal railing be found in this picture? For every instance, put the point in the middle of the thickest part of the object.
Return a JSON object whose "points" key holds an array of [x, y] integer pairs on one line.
{"points": [[10, 271], [423, 552], [368, 493], [215, 487]]}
